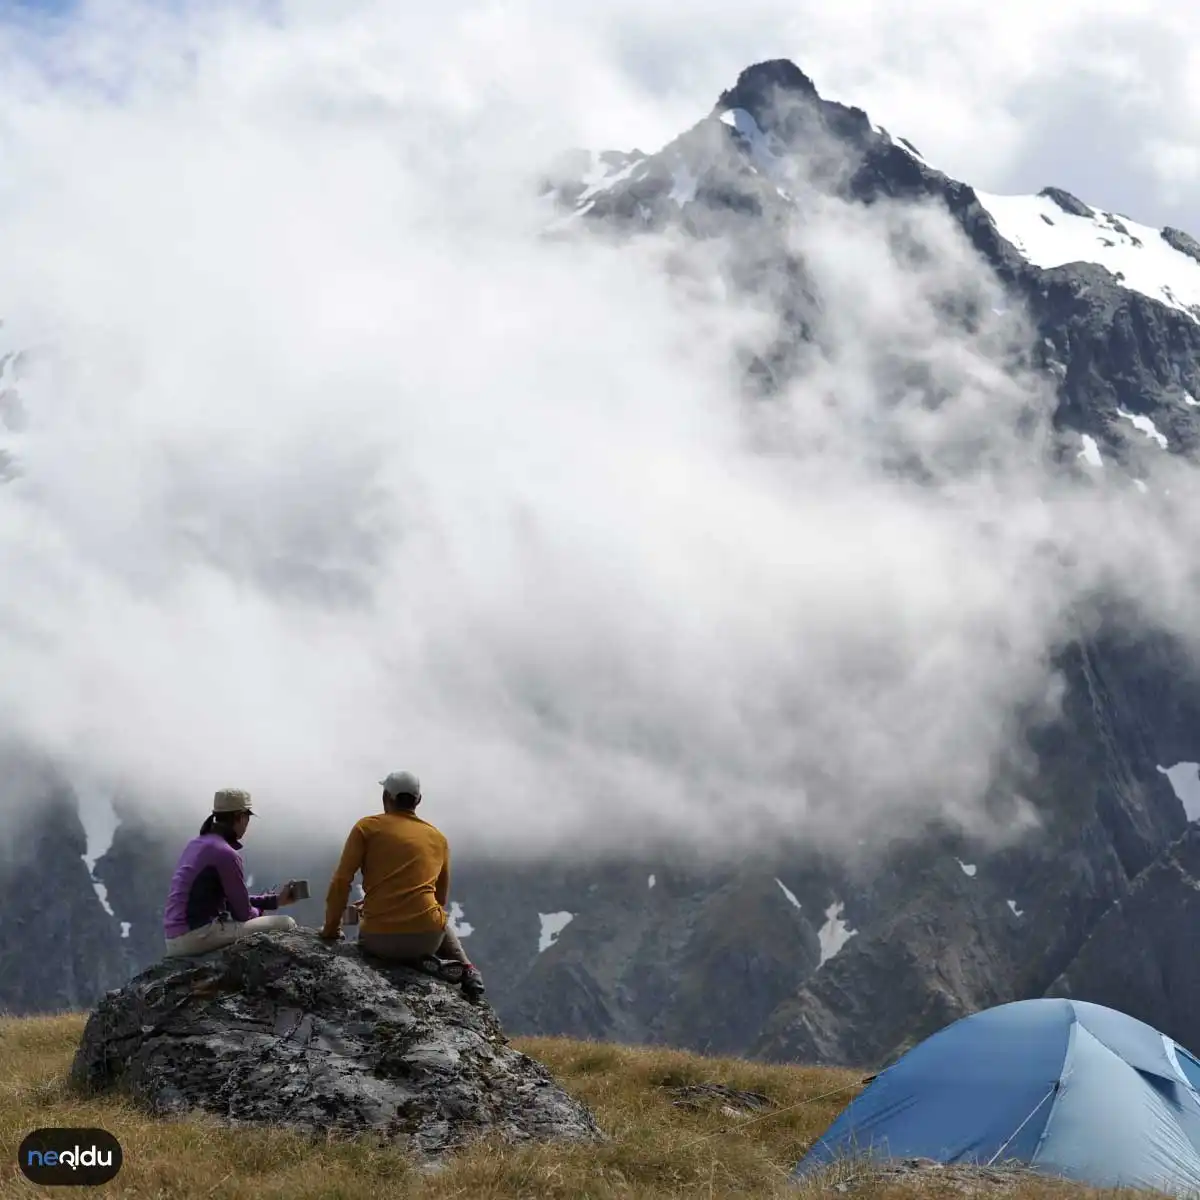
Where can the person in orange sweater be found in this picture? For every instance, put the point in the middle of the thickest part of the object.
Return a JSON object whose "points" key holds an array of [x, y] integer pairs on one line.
{"points": [[405, 865]]}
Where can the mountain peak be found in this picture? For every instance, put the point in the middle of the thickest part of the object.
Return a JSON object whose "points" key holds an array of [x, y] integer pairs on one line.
{"points": [[758, 85]]}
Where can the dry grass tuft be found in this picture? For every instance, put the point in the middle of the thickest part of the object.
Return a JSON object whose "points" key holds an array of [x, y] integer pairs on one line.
{"points": [[709, 1147]]}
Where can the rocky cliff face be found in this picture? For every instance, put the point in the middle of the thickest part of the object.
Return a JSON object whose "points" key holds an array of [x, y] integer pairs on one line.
{"points": [[948, 936], [59, 948], [1140, 957], [797, 955]]}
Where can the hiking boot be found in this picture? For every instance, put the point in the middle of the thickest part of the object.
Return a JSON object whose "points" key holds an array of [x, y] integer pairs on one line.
{"points": [[452, 971], [445, 969], [472, 983]]}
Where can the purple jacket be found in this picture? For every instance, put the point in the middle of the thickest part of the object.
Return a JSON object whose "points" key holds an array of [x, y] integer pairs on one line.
{"points": [[210, 882]]}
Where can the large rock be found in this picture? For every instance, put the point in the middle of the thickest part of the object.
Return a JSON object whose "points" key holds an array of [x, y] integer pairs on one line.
{"points": [[284, 1029]]}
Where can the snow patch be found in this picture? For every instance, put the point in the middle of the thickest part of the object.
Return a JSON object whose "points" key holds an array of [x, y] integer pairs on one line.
{"points": [[1017, 912], [683, 186], [968, 869], [1145, 425], [791, 896], [457, 921], [125, 928], [552, 925], [759, 144], [102, 895], [651, 881], [1090, 452], [834, 934], [1191, 400], [1140, 484], [597, 170], [99, 821], [608, 179], [1136, 254], [1185, 780]]}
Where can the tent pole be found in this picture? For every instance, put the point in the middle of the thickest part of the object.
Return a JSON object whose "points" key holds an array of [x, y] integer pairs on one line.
{"points": [[1053, 1089]]}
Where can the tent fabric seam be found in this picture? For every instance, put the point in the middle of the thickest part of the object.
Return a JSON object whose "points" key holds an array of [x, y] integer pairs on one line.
{"points": [[1064, 1072]]}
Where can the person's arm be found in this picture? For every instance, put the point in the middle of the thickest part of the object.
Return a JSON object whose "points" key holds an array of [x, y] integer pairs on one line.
{"points": [[348, 866], [441, 889], [265, 901], [233, 882]]}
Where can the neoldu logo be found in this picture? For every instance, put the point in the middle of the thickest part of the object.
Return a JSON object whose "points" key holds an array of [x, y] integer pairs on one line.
{"points": [[86, 1157]]}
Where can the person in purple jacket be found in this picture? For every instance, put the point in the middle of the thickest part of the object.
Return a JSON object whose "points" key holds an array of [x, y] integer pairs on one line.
{"points": [[208, 905]]}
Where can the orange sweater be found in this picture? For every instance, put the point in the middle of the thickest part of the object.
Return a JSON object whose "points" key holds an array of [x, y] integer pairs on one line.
{"points": [[405, 864]]}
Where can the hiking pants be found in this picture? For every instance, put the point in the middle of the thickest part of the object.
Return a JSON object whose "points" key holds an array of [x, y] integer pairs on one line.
{"points": [[224, 933], [442, 942]]}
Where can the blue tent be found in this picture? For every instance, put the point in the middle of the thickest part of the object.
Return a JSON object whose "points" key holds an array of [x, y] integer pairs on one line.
{"points": [[1069, 1088]]}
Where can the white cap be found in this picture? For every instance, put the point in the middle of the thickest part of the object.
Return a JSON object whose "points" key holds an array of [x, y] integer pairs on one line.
{"points": [[402, 783]]}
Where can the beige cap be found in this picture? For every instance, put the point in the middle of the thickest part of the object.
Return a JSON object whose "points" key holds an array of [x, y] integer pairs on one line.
{"points": [[232, 800]]}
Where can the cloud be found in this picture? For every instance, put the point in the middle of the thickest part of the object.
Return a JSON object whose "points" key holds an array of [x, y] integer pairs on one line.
{"points": [[335, 466]]}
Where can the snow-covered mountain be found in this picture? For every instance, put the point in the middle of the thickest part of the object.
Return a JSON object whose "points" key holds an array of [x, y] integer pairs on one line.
{"points": [[799, 954], [1050, 229]]}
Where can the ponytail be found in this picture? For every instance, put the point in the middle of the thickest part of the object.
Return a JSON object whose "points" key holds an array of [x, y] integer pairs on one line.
{"points": [[221, 823]]}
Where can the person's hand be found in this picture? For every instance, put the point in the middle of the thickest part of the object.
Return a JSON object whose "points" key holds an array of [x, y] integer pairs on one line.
{"points": [[336, 936], [287, 894]]}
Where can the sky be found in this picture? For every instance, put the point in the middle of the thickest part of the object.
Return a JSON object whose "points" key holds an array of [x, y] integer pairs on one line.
{"points": [[331, 465], [1099, 98]]}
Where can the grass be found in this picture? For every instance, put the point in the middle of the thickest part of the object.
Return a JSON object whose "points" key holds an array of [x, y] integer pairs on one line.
{"points": [[656, 1148]]}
